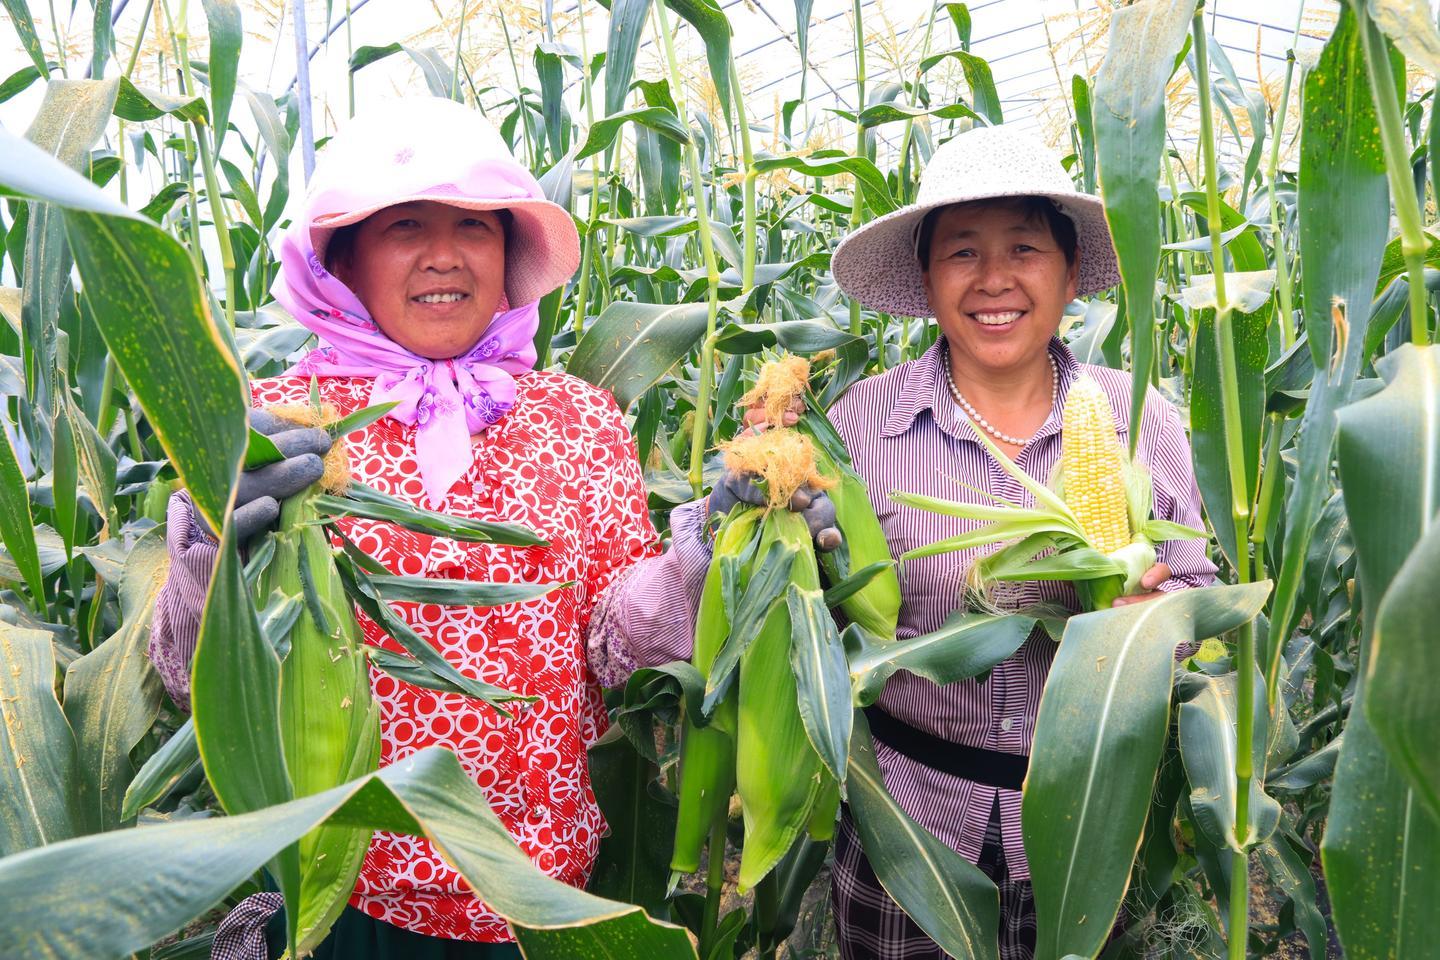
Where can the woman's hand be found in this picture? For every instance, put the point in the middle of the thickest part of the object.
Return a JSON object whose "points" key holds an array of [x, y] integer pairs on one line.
{"points": [[817, 509], [1150, 580]]}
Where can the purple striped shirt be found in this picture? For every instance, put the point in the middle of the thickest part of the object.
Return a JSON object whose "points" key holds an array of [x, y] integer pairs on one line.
{"points": [[904, 432]]}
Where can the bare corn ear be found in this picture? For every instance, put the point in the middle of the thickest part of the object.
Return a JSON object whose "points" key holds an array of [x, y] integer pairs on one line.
{"points": [[1094, 467]]}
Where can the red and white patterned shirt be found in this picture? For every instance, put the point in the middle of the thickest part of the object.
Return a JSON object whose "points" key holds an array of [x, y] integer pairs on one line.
{"points": [[561, 463]]}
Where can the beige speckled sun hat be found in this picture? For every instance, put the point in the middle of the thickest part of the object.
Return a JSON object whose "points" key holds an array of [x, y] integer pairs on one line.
{"points": [[877, 264]]}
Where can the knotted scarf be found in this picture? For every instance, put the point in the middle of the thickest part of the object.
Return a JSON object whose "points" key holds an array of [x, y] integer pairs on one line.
{"points": [[445, 400]]}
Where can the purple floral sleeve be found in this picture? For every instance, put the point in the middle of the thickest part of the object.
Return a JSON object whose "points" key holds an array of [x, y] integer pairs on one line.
{"points": [[176, 625]]}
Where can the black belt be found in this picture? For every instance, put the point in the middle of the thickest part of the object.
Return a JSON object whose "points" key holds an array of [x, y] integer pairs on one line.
{"points": [[990, 767]]}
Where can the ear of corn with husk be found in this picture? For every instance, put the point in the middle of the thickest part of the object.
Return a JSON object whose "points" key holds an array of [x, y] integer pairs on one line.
{"points": [[1093, 528], [775, 720], [329, 720]]}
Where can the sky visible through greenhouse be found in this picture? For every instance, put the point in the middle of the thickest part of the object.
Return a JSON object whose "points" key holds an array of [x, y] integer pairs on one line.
{"points": [[1033, 48]]}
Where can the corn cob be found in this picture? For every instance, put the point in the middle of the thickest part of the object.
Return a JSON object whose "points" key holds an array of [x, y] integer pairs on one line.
{"points": [[1094, 529], [778, 773], [330, 728], [1093, 467], [757, 742], [707, 754], [876, 606]]}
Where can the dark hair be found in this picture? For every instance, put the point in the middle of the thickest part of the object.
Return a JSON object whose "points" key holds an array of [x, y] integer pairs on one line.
{"points": [[342, 241], [1034, 210]]}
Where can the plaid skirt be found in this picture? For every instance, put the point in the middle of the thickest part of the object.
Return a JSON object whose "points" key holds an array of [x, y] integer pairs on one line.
{"points": [[871, 926]]}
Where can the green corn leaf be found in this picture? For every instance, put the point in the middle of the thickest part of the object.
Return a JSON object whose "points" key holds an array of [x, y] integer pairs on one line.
{"points": [[38, 761], [1343, 194], [827, 164], [359, 420], [176, 759], [880, 113], [70, 120], [226, 36], [468, 593], [1380, 808], [630, 346], [978, 78], [992, 533], [112, 694], [1099, 735], [20, 18], [1158, 530], [237, 724], [432, 65], [1072, 563], [794, 336], [260, 450], [1129, 114], [139, 104], [1207, 426], [765, 589], [366, 597], [822, 680], [18, 82], [633, 862], [856, 582], [627, 22], [709, 20], [975, 511], [1208, 744], [945, 894], [149, 882], [412, 671], [364, 501], [967, 645], [17, 525], [604, 132], [94, 460]]}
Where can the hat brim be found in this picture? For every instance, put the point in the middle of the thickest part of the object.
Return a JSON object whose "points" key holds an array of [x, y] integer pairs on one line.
{"points": [[876, 264], [542, 248]]}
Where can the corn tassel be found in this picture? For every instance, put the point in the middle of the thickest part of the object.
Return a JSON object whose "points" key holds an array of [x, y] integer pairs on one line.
{"points": [[778, 773], [330, 723]]}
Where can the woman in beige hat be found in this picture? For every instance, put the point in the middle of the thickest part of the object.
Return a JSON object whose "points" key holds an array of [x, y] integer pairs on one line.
{"points": [[998, 243], [418, 260]]}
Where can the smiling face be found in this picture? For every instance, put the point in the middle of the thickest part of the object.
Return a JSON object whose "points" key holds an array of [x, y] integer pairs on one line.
{"points": [[998, 280], [430, 275]]}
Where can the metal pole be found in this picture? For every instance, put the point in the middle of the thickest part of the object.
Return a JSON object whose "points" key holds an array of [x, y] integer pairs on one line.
{"points": [[302, 76]]}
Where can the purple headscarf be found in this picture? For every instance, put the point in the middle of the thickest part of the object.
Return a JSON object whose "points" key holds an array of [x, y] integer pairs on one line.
{"points": [[445, 400]]}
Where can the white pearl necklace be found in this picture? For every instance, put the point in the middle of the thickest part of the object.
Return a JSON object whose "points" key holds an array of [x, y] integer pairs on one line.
{"points": [[981, 421]]}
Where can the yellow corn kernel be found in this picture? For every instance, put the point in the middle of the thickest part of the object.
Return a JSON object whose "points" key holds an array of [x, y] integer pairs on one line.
{"points": [[1093, 467]]}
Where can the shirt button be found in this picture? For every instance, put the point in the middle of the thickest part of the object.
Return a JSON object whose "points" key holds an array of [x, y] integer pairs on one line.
{"points": [[1006, 724], [477, 488]]}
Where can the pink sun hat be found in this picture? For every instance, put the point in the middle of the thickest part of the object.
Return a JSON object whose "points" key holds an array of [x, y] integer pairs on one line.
{"points": [[428, 148]]}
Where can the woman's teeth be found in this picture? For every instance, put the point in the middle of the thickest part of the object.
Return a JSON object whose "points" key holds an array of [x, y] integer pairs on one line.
{"points": [[441, 297], [997, 319]]}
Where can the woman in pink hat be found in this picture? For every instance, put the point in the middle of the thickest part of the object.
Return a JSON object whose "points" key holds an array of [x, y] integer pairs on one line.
{"points": [[418, 262]]}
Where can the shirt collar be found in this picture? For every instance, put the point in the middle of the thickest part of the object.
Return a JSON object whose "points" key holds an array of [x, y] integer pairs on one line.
{"points": [[925, 388]]}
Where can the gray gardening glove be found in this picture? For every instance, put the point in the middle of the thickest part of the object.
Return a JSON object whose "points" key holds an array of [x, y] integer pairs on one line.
{"points": [[258, 497], [817, 508]]}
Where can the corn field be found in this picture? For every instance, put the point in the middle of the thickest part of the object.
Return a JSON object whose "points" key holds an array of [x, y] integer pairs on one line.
{"points": [[1276, 793]]}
